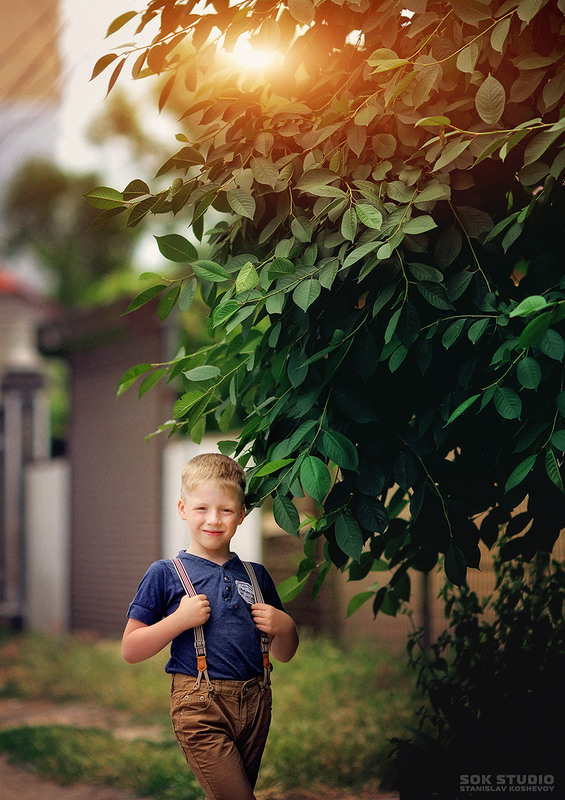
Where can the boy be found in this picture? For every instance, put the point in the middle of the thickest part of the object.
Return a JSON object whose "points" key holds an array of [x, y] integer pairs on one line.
{"points": [[221, 715]]}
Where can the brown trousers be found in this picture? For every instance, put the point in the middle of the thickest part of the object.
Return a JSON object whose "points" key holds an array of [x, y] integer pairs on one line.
{"points": [[222, 733]]}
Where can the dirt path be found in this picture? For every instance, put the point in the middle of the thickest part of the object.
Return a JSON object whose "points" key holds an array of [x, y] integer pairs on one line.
{"points": [[16, 783]]}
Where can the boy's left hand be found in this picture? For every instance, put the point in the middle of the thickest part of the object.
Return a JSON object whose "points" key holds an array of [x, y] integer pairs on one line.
{"points": [[271, 620]]}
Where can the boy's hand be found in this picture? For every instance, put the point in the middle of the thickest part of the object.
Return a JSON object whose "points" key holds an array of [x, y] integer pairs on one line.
{"points": [[271, 620], [193, 611], [279, 627]]}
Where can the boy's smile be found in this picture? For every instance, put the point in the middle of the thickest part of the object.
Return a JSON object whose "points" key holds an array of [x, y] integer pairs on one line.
{"points": [[212, 513]]}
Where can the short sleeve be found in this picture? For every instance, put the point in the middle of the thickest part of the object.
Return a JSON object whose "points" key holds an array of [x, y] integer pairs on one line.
{"points": [[150, 602]]}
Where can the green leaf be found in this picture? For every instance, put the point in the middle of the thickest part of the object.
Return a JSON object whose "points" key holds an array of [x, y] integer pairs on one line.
{"points": [[224, 311], [434, 122], [188, 157], [517, 475], [247, 278], [150, 380], [529, 373], [423, 272], [241, 202], [507, 402], [552, 469], [314, 178], [530, 305], [291, 587], [264, 171], [357, 601], [349, 224], [370, 216], [202, 373], [462, 407], [105, 198], [209, 271], [455, 565], [102, 63], [499, 34], [384, 59], [187, 294], [419, 224], [435, 294], [535, 330], [553, 345], [185, 403], [315, 478], [348, 536], [145, 296], [306, 293], [359, 253], [120, 21], [451, 151], [558, 440], [167, 303], [477, 329], [176, 248], [273, 466], [490, 100], [286, 515], [302, 11], [452, 333], [131, 375], [301, 228], [340, 450], [527, 9]]}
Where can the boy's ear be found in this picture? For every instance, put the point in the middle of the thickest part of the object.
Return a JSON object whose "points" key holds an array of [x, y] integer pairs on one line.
{"points": [[242, 517], [181, 509]]}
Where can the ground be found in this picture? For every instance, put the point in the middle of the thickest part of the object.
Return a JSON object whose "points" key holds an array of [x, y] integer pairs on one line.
{"points": [[18, 784]]}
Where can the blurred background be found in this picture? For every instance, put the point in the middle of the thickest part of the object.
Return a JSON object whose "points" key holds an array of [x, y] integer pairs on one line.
{"points": [[86, 502]]}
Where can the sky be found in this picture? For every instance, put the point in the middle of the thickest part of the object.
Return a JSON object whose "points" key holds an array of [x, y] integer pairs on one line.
{"points": [[83, 28]]}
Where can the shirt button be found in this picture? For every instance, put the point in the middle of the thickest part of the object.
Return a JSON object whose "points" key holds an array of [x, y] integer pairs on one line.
{"points": [[226, 578]]}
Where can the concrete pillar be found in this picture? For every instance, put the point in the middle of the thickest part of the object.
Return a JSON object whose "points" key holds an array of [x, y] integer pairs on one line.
{"points": [[23, 441]]}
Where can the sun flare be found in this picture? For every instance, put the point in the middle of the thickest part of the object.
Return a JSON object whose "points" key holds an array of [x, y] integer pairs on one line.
{"points": [[251, 59]]}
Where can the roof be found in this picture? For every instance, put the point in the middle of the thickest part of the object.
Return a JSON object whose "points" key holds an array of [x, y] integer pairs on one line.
{"points": [[12, 286]]}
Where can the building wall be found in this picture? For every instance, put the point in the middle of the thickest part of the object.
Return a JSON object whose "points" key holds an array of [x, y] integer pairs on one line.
{"points": [[116, 483]]}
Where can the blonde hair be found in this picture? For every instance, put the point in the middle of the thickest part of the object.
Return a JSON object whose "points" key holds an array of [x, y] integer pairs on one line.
{"points": [[217, 468]]}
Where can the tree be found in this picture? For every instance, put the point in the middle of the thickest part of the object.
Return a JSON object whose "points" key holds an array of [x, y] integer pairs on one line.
{"points": [[46, 213], [385, 284]]}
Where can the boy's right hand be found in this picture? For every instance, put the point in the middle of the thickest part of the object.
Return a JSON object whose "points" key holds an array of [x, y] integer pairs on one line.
{"points": [[193, 611]]}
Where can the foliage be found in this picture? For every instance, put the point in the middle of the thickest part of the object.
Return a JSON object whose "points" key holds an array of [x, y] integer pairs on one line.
{"points": [[46, 214], [329, 700], [492, 682], [385, 283]]}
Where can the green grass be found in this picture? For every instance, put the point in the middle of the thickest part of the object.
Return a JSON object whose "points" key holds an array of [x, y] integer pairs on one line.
{"points": [[335, 712]]}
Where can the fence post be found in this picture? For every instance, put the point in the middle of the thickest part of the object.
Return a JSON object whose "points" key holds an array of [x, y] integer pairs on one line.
{"points": [[23, 441]]}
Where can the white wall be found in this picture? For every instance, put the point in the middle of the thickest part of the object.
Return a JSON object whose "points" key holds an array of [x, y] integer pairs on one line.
{"points": [[47, 565], [247, 541]]}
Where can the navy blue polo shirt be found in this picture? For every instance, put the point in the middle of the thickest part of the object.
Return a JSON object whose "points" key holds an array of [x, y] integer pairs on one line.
{"points": [[233, 642]]}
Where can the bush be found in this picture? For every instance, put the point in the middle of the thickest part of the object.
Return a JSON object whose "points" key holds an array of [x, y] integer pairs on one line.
{"points": [[493, 682]]}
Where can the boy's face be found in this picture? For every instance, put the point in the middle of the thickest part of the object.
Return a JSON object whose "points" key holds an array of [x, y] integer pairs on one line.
{"points": [[212, 513]]}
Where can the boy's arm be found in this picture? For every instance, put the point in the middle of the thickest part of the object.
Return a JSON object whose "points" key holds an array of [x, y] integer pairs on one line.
{"points": [[141, 641], [280, 627]]}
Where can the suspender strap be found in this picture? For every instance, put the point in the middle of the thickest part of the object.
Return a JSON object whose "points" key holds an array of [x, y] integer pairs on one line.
{"points": [[199, 642], [265, 642]]}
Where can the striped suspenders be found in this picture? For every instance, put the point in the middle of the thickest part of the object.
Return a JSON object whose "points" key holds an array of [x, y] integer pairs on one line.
{"points": [[199, 641], [265, 642]]}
